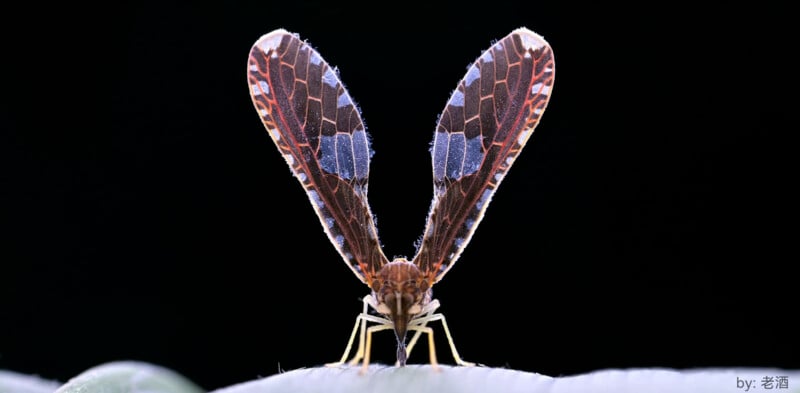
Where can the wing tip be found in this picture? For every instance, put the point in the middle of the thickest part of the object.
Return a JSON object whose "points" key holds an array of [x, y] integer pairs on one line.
{"points": [[272, 39], [530, 39]]}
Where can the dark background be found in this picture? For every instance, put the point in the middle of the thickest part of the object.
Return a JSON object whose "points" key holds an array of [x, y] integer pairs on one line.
{"points": [[148, 216]]}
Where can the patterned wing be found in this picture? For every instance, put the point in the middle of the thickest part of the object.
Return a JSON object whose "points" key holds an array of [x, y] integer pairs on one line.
{"points": [[319, 131], [486, 123]]}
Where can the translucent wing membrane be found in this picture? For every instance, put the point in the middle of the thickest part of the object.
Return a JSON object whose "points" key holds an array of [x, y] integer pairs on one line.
{"points": [[486, 123], [319, 131]]}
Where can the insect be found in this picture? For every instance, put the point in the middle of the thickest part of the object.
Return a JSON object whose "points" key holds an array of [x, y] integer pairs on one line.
{"points": [[318, 130]]}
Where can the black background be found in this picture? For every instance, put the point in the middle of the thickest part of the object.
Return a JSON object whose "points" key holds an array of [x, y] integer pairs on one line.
{"points": [[148, 216]]}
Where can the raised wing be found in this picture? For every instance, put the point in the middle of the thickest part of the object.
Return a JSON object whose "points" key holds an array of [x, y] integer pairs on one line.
{"points": [[486, 123], [319, 131]]}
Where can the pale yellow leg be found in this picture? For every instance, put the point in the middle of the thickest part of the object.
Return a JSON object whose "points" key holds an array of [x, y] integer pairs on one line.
{"points": [[349, 345], [361, 320], [411, 344], [431, 346], [360, 352], [418, 325], [368, 346], [440, 317], [428, 311]]}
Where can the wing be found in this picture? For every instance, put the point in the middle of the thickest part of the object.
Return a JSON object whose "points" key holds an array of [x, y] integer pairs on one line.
{"points": [[319, 131], [486, 123]]}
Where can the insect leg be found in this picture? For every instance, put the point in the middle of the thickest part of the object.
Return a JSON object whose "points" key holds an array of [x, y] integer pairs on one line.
{"points": [[367, 349], [431, 346], [440, 317], [427, 311], [361, 320]]}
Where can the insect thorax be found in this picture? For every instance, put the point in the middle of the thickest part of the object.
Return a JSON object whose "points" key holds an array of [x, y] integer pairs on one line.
{"points": [[402, 291]]}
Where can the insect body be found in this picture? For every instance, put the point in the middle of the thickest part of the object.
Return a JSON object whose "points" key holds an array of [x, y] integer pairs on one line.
{"points": [[313, 121]]}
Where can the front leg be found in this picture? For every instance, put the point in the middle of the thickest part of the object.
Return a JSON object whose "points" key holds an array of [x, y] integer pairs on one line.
{"points": [[426, 312], [440, 317], [361, 320], [431, 346], [422, 322], [367, 349]]}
